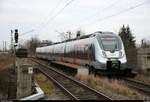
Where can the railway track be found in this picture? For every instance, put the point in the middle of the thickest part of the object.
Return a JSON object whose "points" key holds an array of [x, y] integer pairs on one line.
{"points": [[72, 87], [140, 86]]}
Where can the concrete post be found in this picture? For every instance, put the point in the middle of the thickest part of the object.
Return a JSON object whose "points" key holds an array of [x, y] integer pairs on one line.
{"points": [[24, 78], [144, 60]]}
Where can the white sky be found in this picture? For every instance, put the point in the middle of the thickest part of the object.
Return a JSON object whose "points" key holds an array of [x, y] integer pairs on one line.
{"points": [[86, 15]]}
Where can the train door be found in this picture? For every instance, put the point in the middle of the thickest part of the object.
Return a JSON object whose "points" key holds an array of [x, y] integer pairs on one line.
{"points": [[148, 65], [65, 54], [74, 54], [62, 52], [87, 51], [89, 54]]}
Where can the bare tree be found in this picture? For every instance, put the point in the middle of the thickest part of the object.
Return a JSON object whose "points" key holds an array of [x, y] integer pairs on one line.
{"points": [[45, 43], [63, 36], [66, 35], [32, 44], [70, 35], [79, 33], [145, 44]]}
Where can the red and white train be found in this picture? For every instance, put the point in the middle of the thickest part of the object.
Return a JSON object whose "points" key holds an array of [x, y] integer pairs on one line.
{"points": [[98, 51]]}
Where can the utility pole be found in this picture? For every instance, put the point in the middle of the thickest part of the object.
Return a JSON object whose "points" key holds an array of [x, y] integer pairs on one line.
{"points": [[11, 39], [5, 46], [69, 34]]}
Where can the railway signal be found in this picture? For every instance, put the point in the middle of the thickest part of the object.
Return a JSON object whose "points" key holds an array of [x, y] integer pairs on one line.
{"points": [[16, 35]]}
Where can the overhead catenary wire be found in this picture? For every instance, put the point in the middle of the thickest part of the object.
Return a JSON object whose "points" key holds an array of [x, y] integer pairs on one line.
{"points": [[100, 19], [52, 18], [50, 14], [97, 13], [58, 13], [67, 4], [26, 32], [32, 30], [104, 9], [120, 12], [110, 16]]}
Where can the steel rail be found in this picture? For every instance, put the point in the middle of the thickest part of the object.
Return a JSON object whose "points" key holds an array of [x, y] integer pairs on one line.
{"points": [[138, 85], [57, 83], [93, 91]]}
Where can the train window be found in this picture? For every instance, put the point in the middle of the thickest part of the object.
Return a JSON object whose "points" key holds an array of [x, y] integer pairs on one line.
{"points": [[92, 49], [110, 43], [68, 51], [80, 52]]}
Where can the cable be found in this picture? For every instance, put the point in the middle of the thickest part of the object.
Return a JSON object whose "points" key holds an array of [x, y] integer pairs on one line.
{"points": [[106, 8], [27, 32], [123, 11], [96, 13], [50, 13], [32, 30], [62, 9], [59, 12]]}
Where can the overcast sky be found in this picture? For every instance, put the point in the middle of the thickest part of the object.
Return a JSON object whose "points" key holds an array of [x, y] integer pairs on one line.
{"points": [[87, 15]]}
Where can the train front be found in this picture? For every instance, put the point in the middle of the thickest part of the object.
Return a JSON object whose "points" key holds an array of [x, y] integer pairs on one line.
{"points": [[111, 53]]}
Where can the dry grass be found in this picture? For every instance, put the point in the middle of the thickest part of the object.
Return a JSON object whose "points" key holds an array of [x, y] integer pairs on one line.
{"points": [[115, 86], [5, 61], [143, 78], [45, 84], [4, 84]]}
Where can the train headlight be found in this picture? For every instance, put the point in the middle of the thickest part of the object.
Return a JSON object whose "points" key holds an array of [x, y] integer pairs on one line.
{"points": [[104, 54], [121, 54]]}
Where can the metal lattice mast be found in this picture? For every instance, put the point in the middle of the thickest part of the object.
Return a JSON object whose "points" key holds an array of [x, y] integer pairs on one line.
{"points": [[12, 40]]}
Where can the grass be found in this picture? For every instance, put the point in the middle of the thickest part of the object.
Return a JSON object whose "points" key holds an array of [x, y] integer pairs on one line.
{"points": [[115, 86], [143, 78], [45, 84], [5, 61], [4, 81]]}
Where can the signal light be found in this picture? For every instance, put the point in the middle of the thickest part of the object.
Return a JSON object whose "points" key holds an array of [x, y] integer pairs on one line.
{"points": [[16, 35]]}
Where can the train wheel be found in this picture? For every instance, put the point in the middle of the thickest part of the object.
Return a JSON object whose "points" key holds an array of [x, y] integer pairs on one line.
{"points": [[90, 70], [95, 73]]}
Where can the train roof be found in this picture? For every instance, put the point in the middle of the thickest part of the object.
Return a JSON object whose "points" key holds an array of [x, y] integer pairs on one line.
{"points": [[89, 35], [77, 38], [83, 37]]}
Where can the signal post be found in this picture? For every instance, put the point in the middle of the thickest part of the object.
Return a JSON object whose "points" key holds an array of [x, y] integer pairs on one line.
{"points": [[23, 71]]}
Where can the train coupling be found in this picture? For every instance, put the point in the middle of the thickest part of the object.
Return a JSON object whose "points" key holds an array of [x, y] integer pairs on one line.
{"points": [[113, 64]]}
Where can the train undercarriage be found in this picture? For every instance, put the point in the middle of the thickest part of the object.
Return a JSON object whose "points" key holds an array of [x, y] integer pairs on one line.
{"points": [[113, 68]]}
